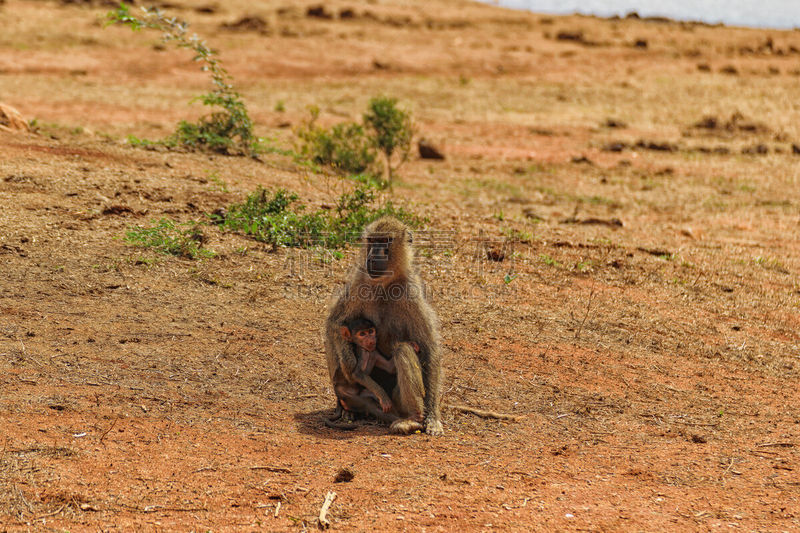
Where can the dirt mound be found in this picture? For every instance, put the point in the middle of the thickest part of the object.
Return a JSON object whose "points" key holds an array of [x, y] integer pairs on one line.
{"points": [[737, 123], [252, 23]]}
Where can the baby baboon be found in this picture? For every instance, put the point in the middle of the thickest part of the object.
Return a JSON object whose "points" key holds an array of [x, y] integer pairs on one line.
{"points": [[384, 288], [361, 333], [366, 339], [356, 391]]}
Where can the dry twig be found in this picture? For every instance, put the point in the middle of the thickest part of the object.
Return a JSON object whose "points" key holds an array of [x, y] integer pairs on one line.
{"points": [[322, 520], [586, 315], [278, 469], [109, 429], [483, 413]]}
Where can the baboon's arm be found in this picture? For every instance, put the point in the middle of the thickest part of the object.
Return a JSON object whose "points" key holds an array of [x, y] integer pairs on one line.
{"points": [[383, 363], [372, 385]]}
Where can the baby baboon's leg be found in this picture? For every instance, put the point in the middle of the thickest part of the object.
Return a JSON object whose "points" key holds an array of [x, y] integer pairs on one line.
{"points": [[409, 393], [367, 405]]}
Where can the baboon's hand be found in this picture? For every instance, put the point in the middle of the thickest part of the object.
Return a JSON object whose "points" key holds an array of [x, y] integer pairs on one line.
{"points": [[433, 426], [386, 405]]}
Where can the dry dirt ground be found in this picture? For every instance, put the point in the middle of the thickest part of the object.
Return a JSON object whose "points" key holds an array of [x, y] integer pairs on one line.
{"points": [[643, 323]]}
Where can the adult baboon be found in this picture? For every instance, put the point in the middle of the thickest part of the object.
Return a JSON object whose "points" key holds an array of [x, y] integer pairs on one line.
{"points": [[384, 288]]}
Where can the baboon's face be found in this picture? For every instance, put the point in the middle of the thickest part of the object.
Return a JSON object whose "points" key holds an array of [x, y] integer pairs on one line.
{"points": [[378, 256], [366, 338]]}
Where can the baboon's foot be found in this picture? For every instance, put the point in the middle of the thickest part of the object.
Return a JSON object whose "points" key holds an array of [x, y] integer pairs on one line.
{"points": [[348, 416], [405, 426], [433, 426]]}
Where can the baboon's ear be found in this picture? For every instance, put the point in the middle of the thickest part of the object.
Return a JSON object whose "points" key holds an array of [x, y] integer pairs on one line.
{"points": [[409, 236], [345, 333]]}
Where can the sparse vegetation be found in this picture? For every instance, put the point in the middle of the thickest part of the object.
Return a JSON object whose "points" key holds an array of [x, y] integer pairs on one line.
{"points": [[350, 148], [278, 218], [171, 238], [229, 128], [515, 235], [509, 277], [585, 265], [391, 129], [549, 261], [345, 148], [770, 263]]}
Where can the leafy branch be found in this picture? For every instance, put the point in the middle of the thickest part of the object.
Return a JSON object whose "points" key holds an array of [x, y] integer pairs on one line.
{"points": [[228, 129]]}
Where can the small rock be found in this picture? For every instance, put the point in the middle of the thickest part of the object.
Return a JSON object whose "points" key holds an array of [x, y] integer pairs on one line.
{"points": [[12, 120], [252, 23], [427, 150], [759, 149], [614, 123], [530, 213], [615, 147], [318, 12], [344, 475], [495, 254], [570, 36], [117, 209], [657, 146]]}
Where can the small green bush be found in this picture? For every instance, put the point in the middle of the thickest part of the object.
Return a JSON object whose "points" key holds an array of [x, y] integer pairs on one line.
{"points": [[391, 129], [171, 238], [229, 129], [278, 218], [345, 148], [350, 148]]}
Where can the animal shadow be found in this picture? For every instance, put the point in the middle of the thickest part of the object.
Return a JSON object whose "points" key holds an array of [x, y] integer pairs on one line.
{"points": [[313, 423]]}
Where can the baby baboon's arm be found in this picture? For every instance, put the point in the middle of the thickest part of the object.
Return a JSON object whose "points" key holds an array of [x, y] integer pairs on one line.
{"points": [[370, 384]]}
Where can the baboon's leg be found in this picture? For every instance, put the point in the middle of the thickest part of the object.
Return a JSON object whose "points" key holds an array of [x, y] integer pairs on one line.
{"points": [[343, 391], [409, 393], [365, 405]]}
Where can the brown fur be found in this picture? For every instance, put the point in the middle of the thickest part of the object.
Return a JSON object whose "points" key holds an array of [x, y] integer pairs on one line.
{"points": [[395, 302], [357, 375]]}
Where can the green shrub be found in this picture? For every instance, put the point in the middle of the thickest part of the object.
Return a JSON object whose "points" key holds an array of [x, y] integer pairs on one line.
{"points": [[167, 237], [229, 129], [391, 129], [279, 219], [350, 148], [345, 148], [269, 219]]}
